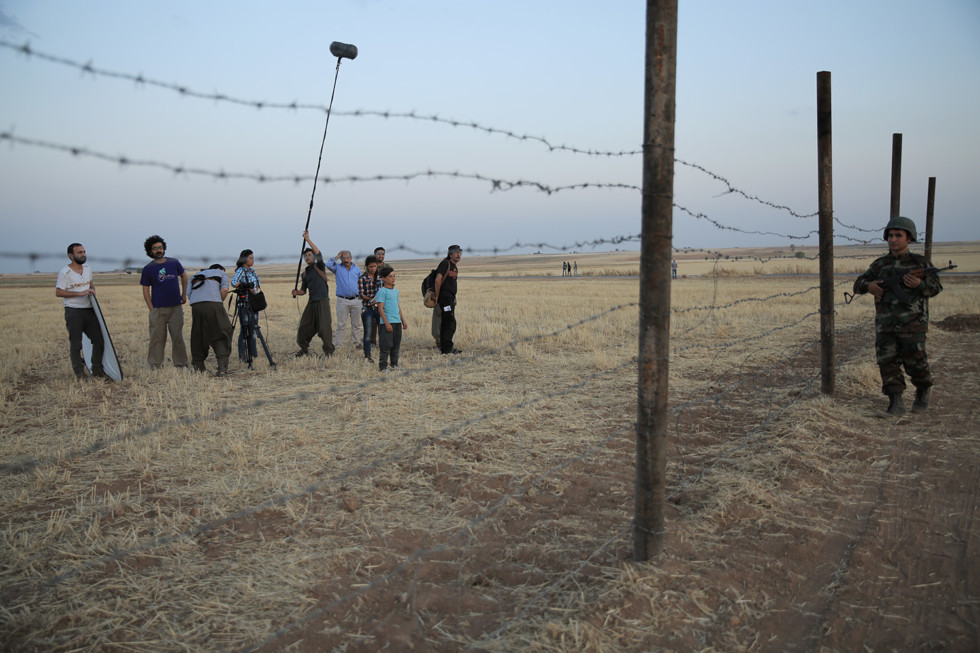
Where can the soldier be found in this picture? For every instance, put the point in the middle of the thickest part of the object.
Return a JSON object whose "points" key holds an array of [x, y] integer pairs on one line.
{"points": [[900, 328]]}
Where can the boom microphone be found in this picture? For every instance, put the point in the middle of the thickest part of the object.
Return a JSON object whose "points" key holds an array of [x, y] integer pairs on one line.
{"points": [[343, 50]]}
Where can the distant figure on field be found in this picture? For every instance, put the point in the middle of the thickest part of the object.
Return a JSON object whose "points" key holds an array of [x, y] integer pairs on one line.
{"points": [[346, 274], [900, 328], [673, 269], [446, 274], [316, 319], [74, 286], [394, 322], [564, 268], [210, 326], [164, 284], [575, 271]]}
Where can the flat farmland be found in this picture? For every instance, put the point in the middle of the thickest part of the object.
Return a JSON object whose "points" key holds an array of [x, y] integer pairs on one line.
{"points": [[484, 501]]}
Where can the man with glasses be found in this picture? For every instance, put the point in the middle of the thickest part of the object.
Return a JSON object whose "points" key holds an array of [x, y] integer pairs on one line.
{"points": [[164, 291]]}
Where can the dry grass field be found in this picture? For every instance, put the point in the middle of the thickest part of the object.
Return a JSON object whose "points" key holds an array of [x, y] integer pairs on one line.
{"points": [[484, 501]]}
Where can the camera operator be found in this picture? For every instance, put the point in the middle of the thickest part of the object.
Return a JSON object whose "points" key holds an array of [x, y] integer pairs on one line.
{"points": [[210, 328], [246, 283]]}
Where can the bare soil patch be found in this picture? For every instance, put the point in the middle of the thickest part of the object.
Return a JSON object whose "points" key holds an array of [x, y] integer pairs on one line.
{"points": [[870, 544], [960, 323]]}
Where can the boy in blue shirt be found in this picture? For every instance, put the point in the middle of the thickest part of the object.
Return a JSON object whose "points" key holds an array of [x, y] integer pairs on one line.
{"points": [[390, 337]]}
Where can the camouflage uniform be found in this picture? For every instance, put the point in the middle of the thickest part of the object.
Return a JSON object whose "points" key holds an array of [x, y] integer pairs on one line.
{"points": [[900, 329]]}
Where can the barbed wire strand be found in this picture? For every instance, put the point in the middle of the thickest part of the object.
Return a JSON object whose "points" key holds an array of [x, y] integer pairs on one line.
{"points": [[132, 263], [496, 184], [184, 91]]}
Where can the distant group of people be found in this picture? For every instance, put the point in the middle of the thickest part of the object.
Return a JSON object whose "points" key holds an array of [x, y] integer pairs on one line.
{"points": [[368, 307], [900, 281], [569, 269]]}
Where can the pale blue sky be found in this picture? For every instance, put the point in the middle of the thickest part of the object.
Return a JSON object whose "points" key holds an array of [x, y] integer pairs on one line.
{"points": [[568, 71]]}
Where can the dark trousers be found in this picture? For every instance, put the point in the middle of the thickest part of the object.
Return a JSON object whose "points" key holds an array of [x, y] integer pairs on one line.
{"points": [[79, 321], [447, 328], [248, 321], [369, 320], [316, 321], [390, 344], [210, 329]]}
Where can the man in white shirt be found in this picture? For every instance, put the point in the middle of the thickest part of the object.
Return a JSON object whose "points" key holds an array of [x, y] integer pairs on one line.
{"points": [[74, 287]]}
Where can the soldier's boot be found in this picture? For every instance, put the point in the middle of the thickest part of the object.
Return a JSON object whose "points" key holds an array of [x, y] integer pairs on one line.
{"points": [[921, 399], [896, 407]]}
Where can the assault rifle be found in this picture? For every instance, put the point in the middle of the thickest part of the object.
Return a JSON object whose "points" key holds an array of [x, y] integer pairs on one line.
{"points": [[893, 281]]}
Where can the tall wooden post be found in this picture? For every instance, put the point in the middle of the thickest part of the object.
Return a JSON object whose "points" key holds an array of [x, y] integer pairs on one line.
{"points": [[930, 207], [825, 186], [655, 256], [896, 202]]}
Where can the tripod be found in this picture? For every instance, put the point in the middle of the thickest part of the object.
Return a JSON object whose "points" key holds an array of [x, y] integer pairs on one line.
{"points": [[250, 329]]}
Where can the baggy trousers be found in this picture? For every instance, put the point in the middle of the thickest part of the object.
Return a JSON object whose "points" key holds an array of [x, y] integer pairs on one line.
{"points": [[316, 321], [210, 329]]}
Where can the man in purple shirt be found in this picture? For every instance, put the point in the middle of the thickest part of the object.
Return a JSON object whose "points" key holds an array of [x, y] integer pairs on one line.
{"points": [[164, 291]]}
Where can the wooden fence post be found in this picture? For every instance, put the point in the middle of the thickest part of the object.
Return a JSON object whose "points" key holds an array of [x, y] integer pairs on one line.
{"points": [[655, 257], [825, 185]]}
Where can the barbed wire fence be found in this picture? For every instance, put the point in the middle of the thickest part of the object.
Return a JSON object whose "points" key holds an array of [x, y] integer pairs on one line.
{"points": [[785, 378]]}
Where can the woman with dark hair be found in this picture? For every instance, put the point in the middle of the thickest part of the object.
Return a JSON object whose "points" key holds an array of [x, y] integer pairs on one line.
{"points": [[246, 282]]}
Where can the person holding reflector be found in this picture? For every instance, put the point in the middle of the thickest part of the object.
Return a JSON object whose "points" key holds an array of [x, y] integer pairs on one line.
{"points": [[75, 288]]}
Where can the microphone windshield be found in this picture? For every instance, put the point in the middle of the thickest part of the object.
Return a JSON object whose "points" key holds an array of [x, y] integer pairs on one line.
{"points": [[343, 50]]}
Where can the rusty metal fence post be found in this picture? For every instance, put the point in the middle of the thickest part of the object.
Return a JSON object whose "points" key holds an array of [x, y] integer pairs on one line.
{"points": [[655, 257], [930, 211], [896, 197], [825, 185]]}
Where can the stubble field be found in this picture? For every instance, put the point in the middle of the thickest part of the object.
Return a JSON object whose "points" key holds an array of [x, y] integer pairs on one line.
{"points": [[483, 501]]}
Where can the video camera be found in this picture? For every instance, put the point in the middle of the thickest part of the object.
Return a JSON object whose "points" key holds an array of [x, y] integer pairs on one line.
{"points": [[243, 288]]}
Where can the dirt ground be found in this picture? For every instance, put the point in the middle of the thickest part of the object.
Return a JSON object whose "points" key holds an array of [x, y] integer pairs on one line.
{"points": [[859, 534], [884, 564]]}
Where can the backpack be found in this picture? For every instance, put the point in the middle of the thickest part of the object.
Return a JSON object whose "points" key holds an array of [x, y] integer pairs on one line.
{"points": [[429, 283], [429, 289]]}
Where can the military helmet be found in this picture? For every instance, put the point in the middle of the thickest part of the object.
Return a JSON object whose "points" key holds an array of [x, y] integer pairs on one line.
{"points": [[901, 223]]}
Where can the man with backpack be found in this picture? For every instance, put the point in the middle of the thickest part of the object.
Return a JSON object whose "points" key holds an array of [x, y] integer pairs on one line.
{"points": [[445, 293]]}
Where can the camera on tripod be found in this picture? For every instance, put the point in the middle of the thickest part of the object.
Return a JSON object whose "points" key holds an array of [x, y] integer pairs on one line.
{"points": [[243, 288]]}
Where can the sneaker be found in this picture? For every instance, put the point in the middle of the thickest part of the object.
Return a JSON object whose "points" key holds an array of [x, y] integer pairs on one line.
{"points": [[368, 359]]}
